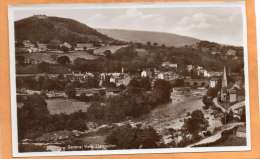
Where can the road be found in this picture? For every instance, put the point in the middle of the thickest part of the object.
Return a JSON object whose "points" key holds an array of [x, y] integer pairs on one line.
{"points": [[215, 101], [217, 136]]}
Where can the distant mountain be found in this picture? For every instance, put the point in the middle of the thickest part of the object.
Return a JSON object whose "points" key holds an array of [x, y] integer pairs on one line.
{"points": [[44, 28], [160, 38]]}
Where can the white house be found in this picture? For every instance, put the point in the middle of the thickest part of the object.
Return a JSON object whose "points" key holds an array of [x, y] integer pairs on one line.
{"points": [[231, 52], [171, 65], [112, 80], [42, 47], [189, 67], [143, 73], [213, 82], [160, 76], [83, 46], [206, 73], [66, 44]]}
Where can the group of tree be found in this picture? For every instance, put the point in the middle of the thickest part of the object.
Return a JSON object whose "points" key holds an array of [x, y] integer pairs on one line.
{"points": [[195, 124], [133, 102], [128, 137]]}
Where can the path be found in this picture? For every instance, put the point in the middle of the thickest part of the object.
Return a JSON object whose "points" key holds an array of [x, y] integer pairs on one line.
{"points": [[217, 136], [215, 101]]}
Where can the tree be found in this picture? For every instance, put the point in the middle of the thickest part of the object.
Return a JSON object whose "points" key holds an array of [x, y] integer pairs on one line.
{"points": [[33, 117], [230, 116], [64, 48], [64, 60], [148, 43], [178, 83], [54, 44], [212, 92], [207, 101], [96, 112], [107, 53], [70, 90], [243, 115], [195, 123], [140, 83], [162, 89], [173, 136], [128, 137]]}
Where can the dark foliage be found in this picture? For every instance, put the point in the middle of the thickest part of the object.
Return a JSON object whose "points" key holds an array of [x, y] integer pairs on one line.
{"points": [[127, 137], [64, 60], [195, 124], [32, 117]]}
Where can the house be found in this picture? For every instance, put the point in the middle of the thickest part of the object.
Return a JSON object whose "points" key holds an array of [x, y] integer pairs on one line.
{"points": [[28, 44], [31, 92], [83, 46], [205, 49], [215, 74], [215, 53], [28, 60], [123, 81], [112, 80], [102, 76], [143, 73], [66, 45], [169, 65], [56, 94], [213, 82], [190, 67], [231, 52], [79, 76], [26, 47], [199, 68], [42, 47], [160, 76], [233, 95], [241, 132], [170, 75], [206, 73], [89, 93]]}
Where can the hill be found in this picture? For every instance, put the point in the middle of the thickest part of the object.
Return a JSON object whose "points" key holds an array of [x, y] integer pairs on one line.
{"points": [[160, 38], [44, 28]]}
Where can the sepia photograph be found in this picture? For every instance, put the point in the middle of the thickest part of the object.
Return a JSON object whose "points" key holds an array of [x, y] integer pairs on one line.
{"points": [[128, 78]]}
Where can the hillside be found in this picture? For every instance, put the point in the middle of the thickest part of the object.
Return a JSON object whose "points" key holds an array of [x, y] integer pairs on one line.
{"points": [[44, 28], [160, 38]]}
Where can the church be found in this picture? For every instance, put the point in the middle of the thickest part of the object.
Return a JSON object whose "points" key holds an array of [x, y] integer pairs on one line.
{"points": [[228, 92]]}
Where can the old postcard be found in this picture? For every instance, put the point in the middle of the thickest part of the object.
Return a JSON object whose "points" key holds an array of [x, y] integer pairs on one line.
{"points": [[96, 79]]}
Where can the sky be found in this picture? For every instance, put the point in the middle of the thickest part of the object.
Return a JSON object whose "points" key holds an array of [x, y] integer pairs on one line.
{"points": [[220, 24]]}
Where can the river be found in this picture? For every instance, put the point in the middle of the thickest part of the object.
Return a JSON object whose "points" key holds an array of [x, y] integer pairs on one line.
{"points": [[171, 115]]}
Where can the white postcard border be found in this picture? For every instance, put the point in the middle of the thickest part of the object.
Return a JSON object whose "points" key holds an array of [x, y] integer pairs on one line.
{"points": [[16, 153]]}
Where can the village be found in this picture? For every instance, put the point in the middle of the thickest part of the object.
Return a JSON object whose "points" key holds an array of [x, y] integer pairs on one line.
{"points": [[222, 92]]}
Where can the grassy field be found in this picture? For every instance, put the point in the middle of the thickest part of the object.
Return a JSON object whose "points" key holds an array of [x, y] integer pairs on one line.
{"points": [[66, 106]]}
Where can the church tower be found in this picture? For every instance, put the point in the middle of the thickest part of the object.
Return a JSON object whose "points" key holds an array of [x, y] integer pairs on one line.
{"points": [[224, 79], [224, 86]]}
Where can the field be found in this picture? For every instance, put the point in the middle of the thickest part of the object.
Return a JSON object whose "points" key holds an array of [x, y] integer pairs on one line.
{"points": [[51, 57], [66, 106]]}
